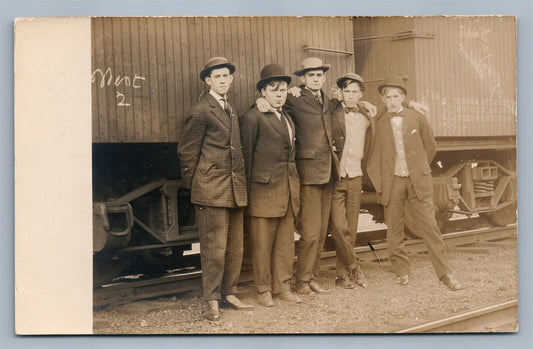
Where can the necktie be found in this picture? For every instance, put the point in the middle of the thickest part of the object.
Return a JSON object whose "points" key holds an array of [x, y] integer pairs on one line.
{"points": [[285, 123], [391, 115], [353, 110], [227, 107], [319, 97]]}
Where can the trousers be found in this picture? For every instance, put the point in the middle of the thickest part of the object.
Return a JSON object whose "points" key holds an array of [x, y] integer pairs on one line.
{"points": [[315, 205], [343, 221], [423, 212], [220, 231], [272, 241]]}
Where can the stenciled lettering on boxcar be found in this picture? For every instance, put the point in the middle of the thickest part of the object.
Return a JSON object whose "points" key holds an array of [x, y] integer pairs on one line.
{"points": [[104, 79]]}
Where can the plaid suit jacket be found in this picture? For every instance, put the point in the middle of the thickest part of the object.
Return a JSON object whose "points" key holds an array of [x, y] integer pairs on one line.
{"points": [[211, 159]]}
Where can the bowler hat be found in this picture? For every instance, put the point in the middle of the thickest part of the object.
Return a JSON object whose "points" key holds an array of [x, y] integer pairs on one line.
{"points": [[351, 76], [393, 81], [216, 63], [272, 72], [311, 63]]}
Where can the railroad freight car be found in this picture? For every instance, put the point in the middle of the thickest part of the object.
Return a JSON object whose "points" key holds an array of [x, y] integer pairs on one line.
{"points": [[145, 78], [464, 69]]}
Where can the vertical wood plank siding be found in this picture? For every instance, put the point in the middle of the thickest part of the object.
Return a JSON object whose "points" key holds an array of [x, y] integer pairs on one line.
{"points": [[146, 70], [466, 74]]}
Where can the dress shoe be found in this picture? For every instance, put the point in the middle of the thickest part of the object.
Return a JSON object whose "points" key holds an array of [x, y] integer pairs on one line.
{"points": [[302, 287], [402, 280], [315, 287], [358, 277], [212, 310], [236, 304], [451, 283], [344, 281], [265, 299], [289, 297]]}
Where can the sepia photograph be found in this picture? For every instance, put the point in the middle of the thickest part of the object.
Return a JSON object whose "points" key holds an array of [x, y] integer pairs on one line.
{"points": [[250, 174], [290, 174]]}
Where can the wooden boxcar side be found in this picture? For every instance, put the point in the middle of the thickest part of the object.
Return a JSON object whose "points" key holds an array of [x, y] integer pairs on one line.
{"points": [[146, 70], [464, 68]]}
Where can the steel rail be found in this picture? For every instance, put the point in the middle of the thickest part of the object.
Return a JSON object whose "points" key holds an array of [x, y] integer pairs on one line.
{"points": [[128, 291], [470, 320]]}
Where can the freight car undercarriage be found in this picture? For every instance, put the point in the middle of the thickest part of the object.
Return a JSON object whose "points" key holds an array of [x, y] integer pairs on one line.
{"points": [[155, 223]]}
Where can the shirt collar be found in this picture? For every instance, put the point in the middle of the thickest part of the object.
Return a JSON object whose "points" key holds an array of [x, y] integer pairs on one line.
{"points": [[355, 109], [398, 113], [216, 95], [317, 93]]}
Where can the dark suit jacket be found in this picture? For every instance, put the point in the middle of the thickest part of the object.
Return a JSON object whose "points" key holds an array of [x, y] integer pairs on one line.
{"points": [[211, 160], [315, 159], [271, 172], [420, 149], [338, 131]]}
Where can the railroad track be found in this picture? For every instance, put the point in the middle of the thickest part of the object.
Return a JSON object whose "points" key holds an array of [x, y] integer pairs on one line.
{"points": [[126, 291], [483, 319]]}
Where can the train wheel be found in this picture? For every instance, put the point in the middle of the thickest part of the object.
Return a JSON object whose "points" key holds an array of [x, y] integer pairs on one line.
{"points": [[106, 266], [502, 217]]}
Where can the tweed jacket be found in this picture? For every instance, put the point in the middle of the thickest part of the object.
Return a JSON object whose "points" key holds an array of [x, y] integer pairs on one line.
{"points": [[338, 131], [316, 160], [420, 149], [211, 160], [269, 158]]}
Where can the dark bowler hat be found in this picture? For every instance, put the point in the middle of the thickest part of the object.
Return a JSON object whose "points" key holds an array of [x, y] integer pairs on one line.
{"points": [[215, 63], [351, 76], [311, 63], [272, 72], [393, 81]]}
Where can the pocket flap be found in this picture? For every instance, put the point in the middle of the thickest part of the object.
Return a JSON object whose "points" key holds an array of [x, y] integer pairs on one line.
{"points": [[261, 177]]}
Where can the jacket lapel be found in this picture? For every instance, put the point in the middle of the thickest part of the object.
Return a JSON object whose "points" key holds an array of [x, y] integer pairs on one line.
{"points": [[408, 124], [277, 124], [291, 125], [218, 111], [339, 117], [309, 98], [387, 129]]}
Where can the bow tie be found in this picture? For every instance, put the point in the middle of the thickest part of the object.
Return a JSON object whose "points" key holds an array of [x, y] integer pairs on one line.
{"points": [[353, 110], [391, 115]]}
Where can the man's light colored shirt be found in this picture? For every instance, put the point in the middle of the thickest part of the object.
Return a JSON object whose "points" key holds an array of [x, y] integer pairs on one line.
{"points": [[352, 153], [218, 97], [400, 165]]}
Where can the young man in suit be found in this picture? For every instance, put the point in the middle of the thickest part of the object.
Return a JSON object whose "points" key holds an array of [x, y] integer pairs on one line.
{"points": [[399, 168], [351, 132], [212, 166], [351, 129], [317, 166], [273, 188]]}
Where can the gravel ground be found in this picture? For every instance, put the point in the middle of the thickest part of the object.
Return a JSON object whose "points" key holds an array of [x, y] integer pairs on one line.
{"points": [[488, 269]]}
